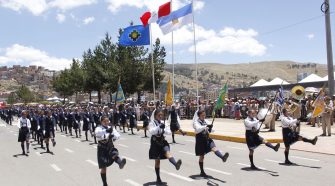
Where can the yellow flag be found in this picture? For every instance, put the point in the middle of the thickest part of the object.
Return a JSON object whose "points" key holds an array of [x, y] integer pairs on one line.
{"points": [[169, 97], [319, 104]]}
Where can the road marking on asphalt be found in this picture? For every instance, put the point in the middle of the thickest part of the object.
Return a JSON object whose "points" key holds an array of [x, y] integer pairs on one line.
{"points": [[92, 162], [238, 148], [274, 161], [77, 140], [218, 171], [243, 164], [145, 143], [63, 135], [297, 157], [2, 125], [131, 182], [11, 131], [15, 134], [121, 145], [123, 138], [95, 147], [54, 166], [130, 159], [69, 150], [188, 153], [190, 140], [174, 175], [38, 154]]}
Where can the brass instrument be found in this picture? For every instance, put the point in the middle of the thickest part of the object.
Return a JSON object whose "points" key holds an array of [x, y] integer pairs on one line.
{"points": [[298, 92]]}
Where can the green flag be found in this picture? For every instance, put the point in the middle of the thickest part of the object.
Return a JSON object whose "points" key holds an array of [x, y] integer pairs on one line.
{"points": [[221, 99]]}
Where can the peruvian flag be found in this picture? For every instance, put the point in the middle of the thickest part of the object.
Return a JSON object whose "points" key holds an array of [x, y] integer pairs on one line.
{"points": [[151, 17]]}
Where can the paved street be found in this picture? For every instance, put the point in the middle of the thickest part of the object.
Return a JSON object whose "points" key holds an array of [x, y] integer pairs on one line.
{"points": [[75, 163]]}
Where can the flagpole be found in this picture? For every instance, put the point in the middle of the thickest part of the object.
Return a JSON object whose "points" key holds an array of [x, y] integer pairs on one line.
{"points": [[195, 56], [172, 58], [152, 65]]}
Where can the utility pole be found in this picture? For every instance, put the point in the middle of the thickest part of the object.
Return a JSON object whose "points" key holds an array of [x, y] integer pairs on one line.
{"points": [[325, 9]]}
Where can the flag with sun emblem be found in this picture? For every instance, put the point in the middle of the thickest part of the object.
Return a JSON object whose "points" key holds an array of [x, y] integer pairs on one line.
{"points": [[135, 35]]}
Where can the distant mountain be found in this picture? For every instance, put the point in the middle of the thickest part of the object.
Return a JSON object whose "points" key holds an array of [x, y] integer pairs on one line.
{"points": [[241, 75]]}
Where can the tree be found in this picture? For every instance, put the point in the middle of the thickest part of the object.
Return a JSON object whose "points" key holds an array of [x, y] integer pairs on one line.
{"points": [[76, 77], [62, 84], [159, 55], [24, 94], [11, 98]]}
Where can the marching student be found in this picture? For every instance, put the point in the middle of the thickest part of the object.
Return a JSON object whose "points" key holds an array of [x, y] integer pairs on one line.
{"points": [[159, 147], [123, 118], [203, 143], [146, 120], [107, 154], [24, 127], [253, 139], [290, 135], [174, 122], [132, 120], [49, 131]]}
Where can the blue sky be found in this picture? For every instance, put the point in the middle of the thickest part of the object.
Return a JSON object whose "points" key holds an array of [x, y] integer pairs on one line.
{"points": [[52, 32]]}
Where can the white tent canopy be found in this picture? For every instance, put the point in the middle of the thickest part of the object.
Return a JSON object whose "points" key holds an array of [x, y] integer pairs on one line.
{"points": [[312, 78], [260, 83], [326, 77], [278, 81]]}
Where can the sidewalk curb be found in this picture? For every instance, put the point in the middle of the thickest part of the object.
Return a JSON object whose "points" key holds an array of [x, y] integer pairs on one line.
{"points": [[230, 138]]}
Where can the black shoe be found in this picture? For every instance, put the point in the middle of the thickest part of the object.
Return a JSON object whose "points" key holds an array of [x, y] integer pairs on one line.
{"points": [[323, 135], [203, 174], [178, 164], [253, 167], [54, 143], [272, 130], [184, 133], [276, 147], [329, 135], [315, 140], [123, 162], [27, 151], [287, 162], [173, 141], [225, 157], [158, 181]]}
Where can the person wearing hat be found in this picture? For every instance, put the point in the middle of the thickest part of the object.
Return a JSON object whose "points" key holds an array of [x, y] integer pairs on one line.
{"points": [[107, 154], [159, 147], [203, 143], [252, 126], [326, 117], [290, 135], [24, 129]]}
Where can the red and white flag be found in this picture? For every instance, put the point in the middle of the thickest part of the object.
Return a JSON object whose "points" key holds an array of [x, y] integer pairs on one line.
{"points": [[151, 17]]}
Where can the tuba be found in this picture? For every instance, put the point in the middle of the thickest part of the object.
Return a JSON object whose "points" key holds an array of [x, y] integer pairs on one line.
{"points": [[298, 92]]}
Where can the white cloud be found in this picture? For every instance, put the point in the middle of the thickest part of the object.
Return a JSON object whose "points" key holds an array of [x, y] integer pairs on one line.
{"points": [[70, 4], [88, 20], [210, 41], [18, 54], [310, 36], [60, 18], [115, 5], [36, 7]]}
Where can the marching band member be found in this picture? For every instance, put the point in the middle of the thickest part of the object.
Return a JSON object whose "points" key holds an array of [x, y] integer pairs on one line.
{"points": [[159, 147], [107, 154], [290, 136], [24, 127], [253, 139], [326, 117], [174, 122], [204, 144], [132, 120]]}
